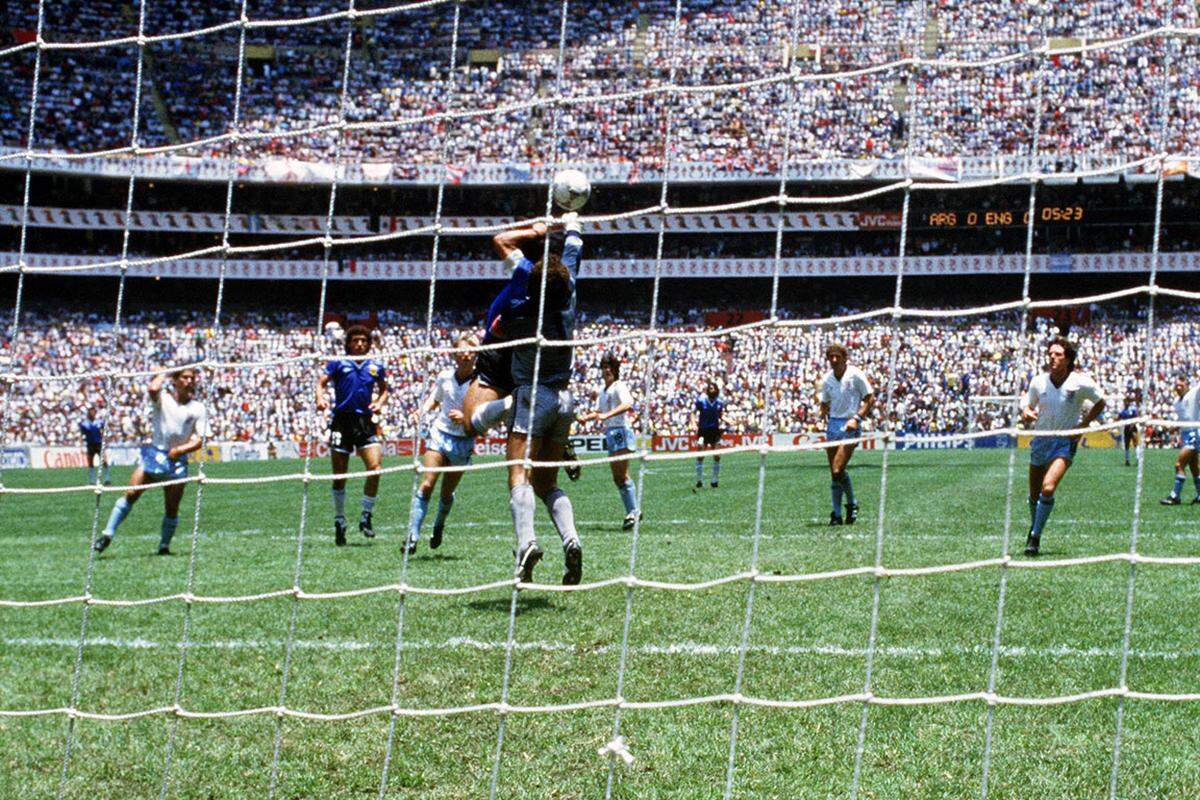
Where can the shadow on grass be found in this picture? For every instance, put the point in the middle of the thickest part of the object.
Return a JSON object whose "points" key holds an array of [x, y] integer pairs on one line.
{"points": [[524, 604]]}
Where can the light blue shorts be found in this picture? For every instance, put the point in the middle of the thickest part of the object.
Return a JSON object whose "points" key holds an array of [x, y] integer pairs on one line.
{"points": [[619, 439], [457, 449], [1044, 449], [835, 430], [1189, 438], [159, 467]]}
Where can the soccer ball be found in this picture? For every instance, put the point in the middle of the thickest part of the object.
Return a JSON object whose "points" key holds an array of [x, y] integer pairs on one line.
{"points": [[571, 189]]}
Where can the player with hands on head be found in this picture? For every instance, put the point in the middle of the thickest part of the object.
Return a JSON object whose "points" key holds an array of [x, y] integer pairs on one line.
{"points": [[846, 399], [360, 392], [1054, 402], [616, 403], [178, 425]]}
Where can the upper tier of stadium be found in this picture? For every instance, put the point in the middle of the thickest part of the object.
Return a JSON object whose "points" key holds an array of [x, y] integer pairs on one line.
{"points": [[1104, 102]]}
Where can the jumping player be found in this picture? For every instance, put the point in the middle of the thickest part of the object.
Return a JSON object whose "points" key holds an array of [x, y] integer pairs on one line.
{"points": [[93, 439], [541, 415], [1055, 401], [1187, 409], [446, 445], [178, 425], [846, 400], [616, 401], [709, 409], [354, 425]]}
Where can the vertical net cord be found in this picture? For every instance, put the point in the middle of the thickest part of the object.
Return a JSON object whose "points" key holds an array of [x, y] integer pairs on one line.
{"points": [[647, 380], [886, 413], [416, 440], [768, 414], [1147, 379], [218, 338], [1018, 375], [77, 669], [537, 365], [314, 414]]}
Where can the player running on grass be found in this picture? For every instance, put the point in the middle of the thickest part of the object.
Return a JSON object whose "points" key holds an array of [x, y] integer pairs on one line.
{"points": [[1187, 409], [1054, 402], [846, 400], [93, 439], [446, 444], [709, 409], [360, 392], [539, 421], [178, 425], [616, 401]]}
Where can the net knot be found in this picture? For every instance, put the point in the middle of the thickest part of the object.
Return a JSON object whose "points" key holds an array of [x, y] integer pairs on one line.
{"points": [[737, 698], [617, 749], [503, 708], [87, 599], [991, 698], [297, 592], [188, 597], [177, 710]]}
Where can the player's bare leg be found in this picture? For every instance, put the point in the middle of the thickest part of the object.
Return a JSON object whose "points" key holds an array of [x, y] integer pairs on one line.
{"points": [[445, 501], [372, 458], [620, 476], [841, 487], [478, 398], [172, 497], [1187, 460], [340, 463], [432, 459], [1043, 483], [121, 509]]}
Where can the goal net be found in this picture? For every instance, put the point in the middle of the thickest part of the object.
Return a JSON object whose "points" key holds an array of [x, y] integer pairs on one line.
{"points": [[729, 643]]}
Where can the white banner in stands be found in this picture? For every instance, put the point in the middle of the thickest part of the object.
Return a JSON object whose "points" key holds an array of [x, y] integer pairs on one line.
{"points": [[871, 266], [182, 221]]}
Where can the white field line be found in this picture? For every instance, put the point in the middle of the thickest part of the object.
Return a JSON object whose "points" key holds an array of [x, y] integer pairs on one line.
{"points": [[685, 648]]}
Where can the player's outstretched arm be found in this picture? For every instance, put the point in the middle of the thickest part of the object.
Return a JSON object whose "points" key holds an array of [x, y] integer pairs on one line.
{"points": [[322, 397], [506, 242], [155, 385]]}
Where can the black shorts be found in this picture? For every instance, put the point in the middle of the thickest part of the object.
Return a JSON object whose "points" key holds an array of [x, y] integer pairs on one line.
{"points": [[93, 450], [1130, 433], [494, 368], [349, 432], [710, 436]]}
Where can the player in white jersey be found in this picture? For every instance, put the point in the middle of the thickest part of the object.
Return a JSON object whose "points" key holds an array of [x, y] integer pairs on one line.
{"points": [[1055, 402], [616, 402], [846, 400], [446, 443], [178, 425], [1187, 409]]}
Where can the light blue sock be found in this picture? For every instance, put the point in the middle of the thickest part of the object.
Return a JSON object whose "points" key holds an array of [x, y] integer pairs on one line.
{"points": [[627, 496], [119, 513], [444, 506], [1044, 506], [716, 469], [169, 524], [420, 507], [1178, 488], [699, 469], [91, 474], [835, 491], [849, 488], [105, 468]]}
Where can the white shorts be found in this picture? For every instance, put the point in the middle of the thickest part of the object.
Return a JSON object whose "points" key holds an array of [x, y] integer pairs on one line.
{"points": [[622, 438], [457, 449]]}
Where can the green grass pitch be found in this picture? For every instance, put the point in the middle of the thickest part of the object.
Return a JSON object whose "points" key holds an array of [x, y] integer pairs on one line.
{"points": [[1062, 634]]}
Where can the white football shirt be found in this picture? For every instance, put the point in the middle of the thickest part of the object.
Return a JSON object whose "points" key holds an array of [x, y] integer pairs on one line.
{"points": [[1060, 407], [172, 423], [449, 394], [615, 394], [1187, 408], [845, 396]]}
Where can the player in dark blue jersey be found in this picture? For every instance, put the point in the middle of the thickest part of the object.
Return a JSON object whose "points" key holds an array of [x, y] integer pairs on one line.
{"points": [[93, 439], [709, 409], [360, 392]]}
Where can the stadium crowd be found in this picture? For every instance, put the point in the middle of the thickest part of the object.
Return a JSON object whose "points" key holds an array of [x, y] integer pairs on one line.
{"points": [[1101, 102], [943, 369]]}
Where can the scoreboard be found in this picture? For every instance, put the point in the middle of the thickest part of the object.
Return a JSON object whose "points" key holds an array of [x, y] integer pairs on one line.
{"points": [[1002, 217]]}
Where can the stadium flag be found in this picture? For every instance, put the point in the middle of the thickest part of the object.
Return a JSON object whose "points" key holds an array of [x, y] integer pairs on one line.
{"points": [[376, 171], [455, 173], [1171, 168], [938, 169]]}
